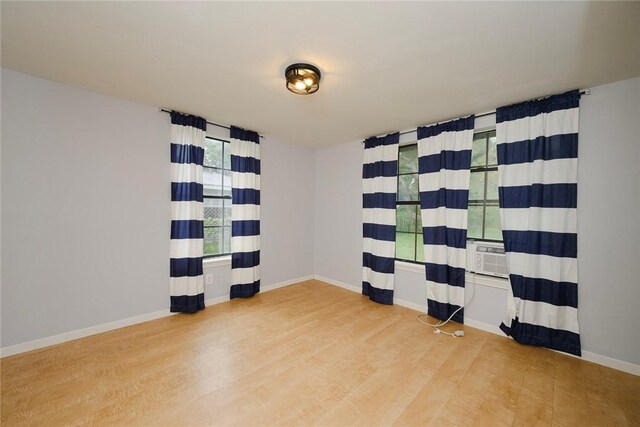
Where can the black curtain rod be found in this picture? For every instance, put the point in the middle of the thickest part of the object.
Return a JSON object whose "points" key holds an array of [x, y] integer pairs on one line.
{"points": [[490, 113], [208, 122]]}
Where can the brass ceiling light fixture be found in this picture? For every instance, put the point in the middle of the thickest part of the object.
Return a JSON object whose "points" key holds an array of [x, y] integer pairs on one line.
{"points": [[303, 79]]}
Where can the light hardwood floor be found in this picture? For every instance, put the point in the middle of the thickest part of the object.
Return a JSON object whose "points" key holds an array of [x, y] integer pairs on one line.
{"points": [[308, 354]]}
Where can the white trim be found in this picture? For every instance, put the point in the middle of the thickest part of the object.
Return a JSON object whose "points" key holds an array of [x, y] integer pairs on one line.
{"points": [[400, 302], [610, 362], [599, 359], [484, 280], [484, 327], [477, 279], [93, 330], [409, 266], [411, 305], [216, 262], [284, 283], [81, 333], [337, 283], [109, 326], [216, 300]]}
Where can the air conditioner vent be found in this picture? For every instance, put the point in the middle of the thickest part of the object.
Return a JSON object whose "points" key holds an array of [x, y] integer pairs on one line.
{"points": [[489, 259]]}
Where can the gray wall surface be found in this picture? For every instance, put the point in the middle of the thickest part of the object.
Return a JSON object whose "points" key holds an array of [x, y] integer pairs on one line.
{"points": [[287, 211], [608, 239], [86, 210], [608, 220], [85, 215]]}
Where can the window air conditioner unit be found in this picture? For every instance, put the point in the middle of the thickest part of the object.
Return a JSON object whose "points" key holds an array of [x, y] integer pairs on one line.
{"points": [[488, 258]]}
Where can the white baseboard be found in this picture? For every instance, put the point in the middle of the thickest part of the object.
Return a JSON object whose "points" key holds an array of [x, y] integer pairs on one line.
{"points": [[81, 333], [609, 362], [109, 326], [285, 283], [338, 283], [400, 302], [216, 300], [484, 327], [411, 305], [599, 359]]}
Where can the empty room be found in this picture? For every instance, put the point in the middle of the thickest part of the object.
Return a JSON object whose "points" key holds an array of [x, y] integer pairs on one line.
{"points": [[320, 213]]}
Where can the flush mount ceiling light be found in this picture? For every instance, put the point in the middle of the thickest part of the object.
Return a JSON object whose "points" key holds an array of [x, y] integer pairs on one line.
{"points": [[303, 79]]}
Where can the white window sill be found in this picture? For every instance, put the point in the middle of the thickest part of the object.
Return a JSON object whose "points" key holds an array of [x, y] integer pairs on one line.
{"points": [[409, 266], [216, 262], [478, 279], [481, 279]]}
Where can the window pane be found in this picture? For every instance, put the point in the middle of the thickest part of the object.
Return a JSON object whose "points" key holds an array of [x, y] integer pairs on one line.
{"points": [[213, 153], [406, 218], [408, 159], [419, 215], [227, 212], [226, 183], [227, 155], [476, 186], [492, 185], [493, 152], [474, 225], [479, 150], [226, 239], [212, 182], [408, 187], [405, 246], [419, 249], [212, 212], [213, 241], [492, 229]]}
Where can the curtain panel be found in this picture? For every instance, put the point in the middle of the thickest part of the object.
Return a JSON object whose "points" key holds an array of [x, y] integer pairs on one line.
{"points": [[187, 213], [537, 143], [245, 213], [444, 162], [379, 188]]}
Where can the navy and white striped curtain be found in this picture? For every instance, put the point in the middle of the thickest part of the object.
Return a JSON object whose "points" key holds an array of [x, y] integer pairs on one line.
{"points": [[537, 143], [444, 162], [187, 213], [245, 213], [379, 188]]}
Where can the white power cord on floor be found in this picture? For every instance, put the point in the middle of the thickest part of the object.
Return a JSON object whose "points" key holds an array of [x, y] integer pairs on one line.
{"points": [[436, 327]]}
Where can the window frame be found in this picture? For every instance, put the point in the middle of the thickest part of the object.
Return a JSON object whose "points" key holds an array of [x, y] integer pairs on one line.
{"points": [[477, 169], [484, 202], [222, 197], [416, 203]]}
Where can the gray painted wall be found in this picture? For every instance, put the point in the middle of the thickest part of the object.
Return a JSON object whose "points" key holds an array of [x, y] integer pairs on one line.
{"points": [[608, 220], [85, 184], [86, 211], [287, 212], [85, 215], [609, 230]]}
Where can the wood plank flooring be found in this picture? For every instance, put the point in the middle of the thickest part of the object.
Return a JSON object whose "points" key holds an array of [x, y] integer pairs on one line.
{"points": [[308, 354]]}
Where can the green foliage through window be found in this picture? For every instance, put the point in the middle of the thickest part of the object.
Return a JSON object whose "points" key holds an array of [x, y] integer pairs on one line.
{"points": [[483, 212], [216, 177], [409, 245]]}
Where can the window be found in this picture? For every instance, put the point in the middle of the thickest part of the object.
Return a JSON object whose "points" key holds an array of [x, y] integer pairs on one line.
{"points": [[408, 220], [216, 177], [483, 213]]}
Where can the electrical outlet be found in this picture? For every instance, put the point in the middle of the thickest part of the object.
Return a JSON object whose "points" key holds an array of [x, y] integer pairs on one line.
{"points": [[208, 279]]}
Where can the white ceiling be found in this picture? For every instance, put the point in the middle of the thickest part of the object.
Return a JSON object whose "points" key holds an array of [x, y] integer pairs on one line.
{"points": [[386, 66]]}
